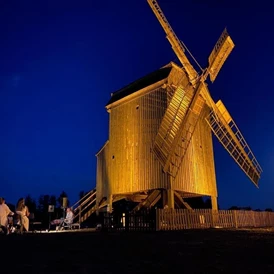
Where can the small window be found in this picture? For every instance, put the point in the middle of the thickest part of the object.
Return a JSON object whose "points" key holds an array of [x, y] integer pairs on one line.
{"points": [[113, 157], [137, 107]]}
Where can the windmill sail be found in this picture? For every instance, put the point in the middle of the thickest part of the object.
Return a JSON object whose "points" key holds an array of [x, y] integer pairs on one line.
{"points": [[185, 108], [174, 41], [192, 118], [171, 124], [177, 127], [219, 54], [231, 138]]}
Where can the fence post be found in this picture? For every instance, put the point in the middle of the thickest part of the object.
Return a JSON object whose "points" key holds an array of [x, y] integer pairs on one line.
{"points": [[271, 218], [253, 217], [235, 218], [188, 218], [80, 213], [127, 220], [215, 217]]}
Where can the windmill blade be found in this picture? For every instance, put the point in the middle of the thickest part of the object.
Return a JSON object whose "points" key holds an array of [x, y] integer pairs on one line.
{"points": [[174, 41], [171, 123], [219, 54], [192, 118], [231, 138], [184, 111], [177, 127]]}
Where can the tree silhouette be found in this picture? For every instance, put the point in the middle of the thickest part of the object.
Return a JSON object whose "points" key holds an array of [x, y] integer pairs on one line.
{"points": [[30, 203], [60, 198], [248, 208], [234, 208], [43, 202], [53, 200]]}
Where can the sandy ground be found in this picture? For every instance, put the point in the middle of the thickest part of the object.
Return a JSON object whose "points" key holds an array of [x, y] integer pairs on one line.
{"points": [[189, 251]]}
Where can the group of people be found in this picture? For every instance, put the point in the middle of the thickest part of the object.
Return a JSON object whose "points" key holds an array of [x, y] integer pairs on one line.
{"points": [[8, 218], [20, 218]]}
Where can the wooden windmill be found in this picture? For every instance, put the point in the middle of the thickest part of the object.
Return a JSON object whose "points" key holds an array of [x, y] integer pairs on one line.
{"points": [[160, 133]]}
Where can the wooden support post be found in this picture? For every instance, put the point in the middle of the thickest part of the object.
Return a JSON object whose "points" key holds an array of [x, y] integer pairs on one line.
{"points": [[164, 197], [170, 198], [214, 203], [109, 207], [235, 218], [80, 211], [97, 210], [214, 206]]}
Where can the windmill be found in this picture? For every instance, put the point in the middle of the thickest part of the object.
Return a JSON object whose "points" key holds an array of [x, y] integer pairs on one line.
{"points": [[186, 107], [160, 134]]}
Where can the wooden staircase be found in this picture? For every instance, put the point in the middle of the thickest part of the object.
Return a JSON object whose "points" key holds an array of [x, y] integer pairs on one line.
{"points": [[85, 206]]}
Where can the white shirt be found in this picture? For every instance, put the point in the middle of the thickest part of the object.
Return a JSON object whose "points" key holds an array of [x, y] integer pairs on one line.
{"points": [[69, 217], [4, 212]]}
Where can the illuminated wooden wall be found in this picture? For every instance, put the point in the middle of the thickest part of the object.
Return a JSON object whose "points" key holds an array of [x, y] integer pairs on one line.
{"points": [[126, 163], [103, 173], [197, 173]]}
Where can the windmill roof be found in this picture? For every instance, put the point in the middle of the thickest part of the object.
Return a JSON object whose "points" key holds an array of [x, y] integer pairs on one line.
{"points": [[143, 82]]}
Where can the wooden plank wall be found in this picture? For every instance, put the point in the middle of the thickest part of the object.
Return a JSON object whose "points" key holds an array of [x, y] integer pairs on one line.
{"points": [[178, 219], [103, 186]]}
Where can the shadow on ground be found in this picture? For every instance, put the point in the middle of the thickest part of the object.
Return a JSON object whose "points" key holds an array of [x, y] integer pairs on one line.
{"points": [[189, 251]]}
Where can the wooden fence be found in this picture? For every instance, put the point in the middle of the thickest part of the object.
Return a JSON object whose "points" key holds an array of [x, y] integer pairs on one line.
{"points": [[178, 219], [130, 221]]}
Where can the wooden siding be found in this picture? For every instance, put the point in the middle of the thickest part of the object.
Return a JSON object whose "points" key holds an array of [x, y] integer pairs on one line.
{"points": [[102, 174], [133, 126], [127, 163], [197, 172]]}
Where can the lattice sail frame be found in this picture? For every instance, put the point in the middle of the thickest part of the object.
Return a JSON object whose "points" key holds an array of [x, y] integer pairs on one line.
{"points": [[219, 54], [229, 135], [177, 127], [171, 133], [171, 124]]}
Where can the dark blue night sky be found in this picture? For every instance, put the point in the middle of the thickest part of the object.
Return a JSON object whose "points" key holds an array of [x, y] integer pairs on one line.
{"points": [[60, 61]]}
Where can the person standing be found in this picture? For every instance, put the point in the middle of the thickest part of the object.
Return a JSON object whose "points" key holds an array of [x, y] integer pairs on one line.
{"points": [[4, 213], [23, 211]]}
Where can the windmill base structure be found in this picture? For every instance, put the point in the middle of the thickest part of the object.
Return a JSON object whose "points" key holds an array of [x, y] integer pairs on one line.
{"points": [[128, 168]]}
